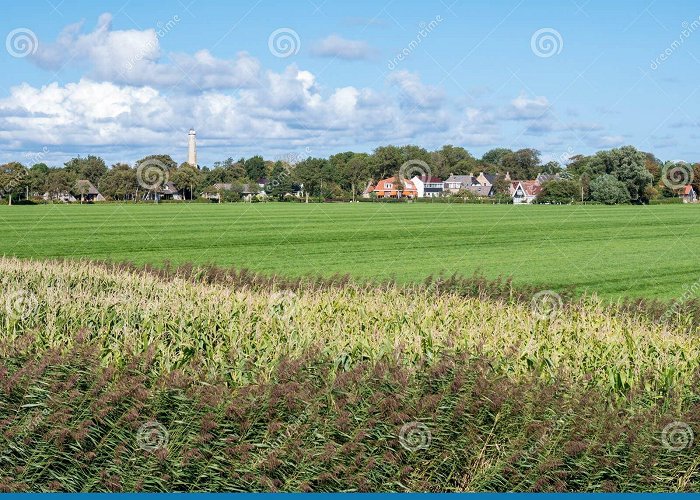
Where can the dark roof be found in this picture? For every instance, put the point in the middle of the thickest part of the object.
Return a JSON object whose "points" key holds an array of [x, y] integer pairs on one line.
{"points": [[84, 186], [490, 177], [168, 188], [462, 179], [426, 179], [480, 190]]}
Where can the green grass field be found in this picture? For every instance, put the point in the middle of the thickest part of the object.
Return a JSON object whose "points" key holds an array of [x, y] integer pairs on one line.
{"points": [[637, 251]]}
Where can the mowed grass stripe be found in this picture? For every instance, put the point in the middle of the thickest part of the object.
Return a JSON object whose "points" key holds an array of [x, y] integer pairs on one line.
{"points": [[613, 251]]}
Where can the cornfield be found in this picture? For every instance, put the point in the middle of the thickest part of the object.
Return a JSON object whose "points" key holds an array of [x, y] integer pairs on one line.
{"points": [[266, 388]]}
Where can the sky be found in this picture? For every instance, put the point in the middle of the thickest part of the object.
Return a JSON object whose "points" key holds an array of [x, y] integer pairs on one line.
{"points": [[314, 77]]}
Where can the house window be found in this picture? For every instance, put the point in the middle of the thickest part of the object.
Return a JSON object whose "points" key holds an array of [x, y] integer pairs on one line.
{"points": [[389, 185]]}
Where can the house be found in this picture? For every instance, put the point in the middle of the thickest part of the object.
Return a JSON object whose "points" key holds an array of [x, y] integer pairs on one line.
{"points": [[688, 194], [214, 193], [542, 178], [455, 183], [524, 191], [63, 196], [488, 179], [428, 187], [167, 191], [247, 192], [485, 191], [483, 185], [86, 191], [262, 184], [389, 188]]}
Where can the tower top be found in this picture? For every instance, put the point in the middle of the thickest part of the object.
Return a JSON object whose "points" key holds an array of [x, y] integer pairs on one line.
{"points": [[192, 132]]}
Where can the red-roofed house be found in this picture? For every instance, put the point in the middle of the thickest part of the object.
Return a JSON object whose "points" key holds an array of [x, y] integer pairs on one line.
{"points": [[688, 194], [389, 188], [524, 191]]}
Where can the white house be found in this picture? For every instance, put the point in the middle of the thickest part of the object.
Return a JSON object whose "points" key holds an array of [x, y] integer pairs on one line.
{"points": [[428, 187]]}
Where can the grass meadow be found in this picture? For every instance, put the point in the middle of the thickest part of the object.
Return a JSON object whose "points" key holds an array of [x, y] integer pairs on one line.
{"points": [[619, 251]]}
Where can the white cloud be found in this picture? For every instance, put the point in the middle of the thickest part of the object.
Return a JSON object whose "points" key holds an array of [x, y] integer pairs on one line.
{"points": [[478, 127], [611, 140], [415, 93], [526, 108], [342, 48], [135, 57]]}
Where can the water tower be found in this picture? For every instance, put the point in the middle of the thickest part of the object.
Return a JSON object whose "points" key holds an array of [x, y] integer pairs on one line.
{"points": [[192, 148]]}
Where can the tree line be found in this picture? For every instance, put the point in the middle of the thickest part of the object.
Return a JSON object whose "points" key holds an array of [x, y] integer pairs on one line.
{"points": [[620, 175]]}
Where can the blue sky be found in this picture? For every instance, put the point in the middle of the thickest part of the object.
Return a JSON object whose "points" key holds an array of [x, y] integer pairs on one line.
{"points": [[125, 79]]}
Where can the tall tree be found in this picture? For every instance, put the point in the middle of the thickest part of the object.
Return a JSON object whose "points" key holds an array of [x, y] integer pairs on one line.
{"points": [[609, 190], [186, 178], [119, 183], [521, 164], [161, 160], [255, 168], [12, 180], [59, 181], [280, 182], [90, 168], [494, 156]]}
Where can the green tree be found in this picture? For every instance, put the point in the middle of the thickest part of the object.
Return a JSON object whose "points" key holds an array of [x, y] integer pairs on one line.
{"points": [[452, 160], [59, 181], [357, 173], [186, 178], [255, 168], [12, 180], [161, 160], [521, 164], [559, 191], [91, 168], [36, 178], [280, 182], [385, 161], [627, 165], [311, 173], [494, 156], [608, 189], [119, 183]]}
